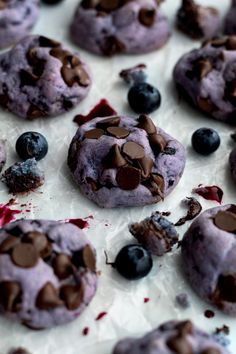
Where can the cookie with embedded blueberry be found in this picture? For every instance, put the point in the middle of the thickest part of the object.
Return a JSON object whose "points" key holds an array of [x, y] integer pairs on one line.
{"points": [[232, 163], [48, 78], [47, 272], [119, 161], [17, 17], [230, 20], [169, 338], [208, 254], [207, 78], [3, 155], [119, 26]]}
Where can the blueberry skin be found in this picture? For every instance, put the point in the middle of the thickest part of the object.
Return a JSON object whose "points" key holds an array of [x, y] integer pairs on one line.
{"points": [[31, 144], [205, 141], [133, 262], [144, 98]]}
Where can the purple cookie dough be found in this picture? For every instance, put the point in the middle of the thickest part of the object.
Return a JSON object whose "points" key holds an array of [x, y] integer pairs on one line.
{"points": [[3, 155], [208, 253], [232, 163], [40, 78], [198, 21], [110, 27], [207, 78], [17, 17], [170, 338], [120, 161], [230, 20], [47, 272]]}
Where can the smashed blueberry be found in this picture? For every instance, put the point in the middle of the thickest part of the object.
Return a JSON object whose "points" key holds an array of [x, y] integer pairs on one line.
{"points": [[205, 141], [144, 98], [134, 75], [31, 144], [133, 262]]}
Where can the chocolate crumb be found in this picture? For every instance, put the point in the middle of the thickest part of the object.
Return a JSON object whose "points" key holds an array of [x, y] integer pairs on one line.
{"points": [[194, 209]]}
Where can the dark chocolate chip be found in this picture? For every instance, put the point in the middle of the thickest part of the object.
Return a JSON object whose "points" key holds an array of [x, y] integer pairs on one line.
{"points": [[39, 241], [128, 178], [133, 150], [89, 259], [35, 112], [48, 298], [202, 68], [48, 42], [206, 105], [146, 124], [157, 143], [226, 220], [25, 255], [108, 122], [63, 55], [114, 159], [93, 184], [27, 78], [10, 295], [72, 295], [93, 133], [211, 351], [109, 5], [9, 243], [4, 99], [118, 132], [62, 266], [112, 45], [145, 164], [226, 288], [231, 43], [147, 17], [75, 75]]}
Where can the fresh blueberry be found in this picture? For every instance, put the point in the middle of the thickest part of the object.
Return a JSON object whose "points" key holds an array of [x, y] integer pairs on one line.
{"points": [[31, 144], [144, 98], [205, 141], [133, 262]]}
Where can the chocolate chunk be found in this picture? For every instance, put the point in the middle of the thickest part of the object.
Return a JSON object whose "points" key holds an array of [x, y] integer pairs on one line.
{"points": [[62, 266], [232, 208], [118, 132], [25, 255], [9, 243], [231, 43], [89, 259], [39, 241], [108, 122], [109, 5], [112, 45], [230, 91], [128, 178], [157, 143], [226, 220], [133, 150], [94, 133], [206, 105], [48, 298], [35, 112], [114, 159], [146, 165], [218, 42], [146, 124], [63, 55], [155, 184], [10, 295], [194, 209], [147, 17], [180, 345], [184, 328], [202, 68], [75, 75], [48, 42], [211, 351], [89, 4], [226, 288], [27, 79], [93, 184], [4, 99], [37, 63], [72, 295]]}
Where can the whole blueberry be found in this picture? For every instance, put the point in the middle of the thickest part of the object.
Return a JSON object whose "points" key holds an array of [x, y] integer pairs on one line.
{"points": [[31, 144], [144, 98], [133, 262], [205, 141]]}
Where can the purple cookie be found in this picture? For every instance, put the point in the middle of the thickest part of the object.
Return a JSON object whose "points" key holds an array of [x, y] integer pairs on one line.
{"points": [[209, 257], [17, 17], [120, 161], [198, 21], [47, 272], [172, 337], [3, 155], [40, 78], [207, 78], [232, 163], [119, 26], [230, 20]]}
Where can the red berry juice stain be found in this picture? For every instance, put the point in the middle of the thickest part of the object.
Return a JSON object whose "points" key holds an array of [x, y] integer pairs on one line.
{"points": [[82, 224], [146, 300], [85, 331], [214, 193], [100, 316], [102, 109], [7, 214]]}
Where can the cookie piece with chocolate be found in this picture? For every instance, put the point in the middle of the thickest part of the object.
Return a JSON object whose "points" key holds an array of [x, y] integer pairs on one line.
{"points": [[230, 20], [3, 155], [119, 161], [114, 27], [180, 337], [17, 17], [208, 255], [232, 163], [48, 78], [206, 77], [198, 21], [47, 272]]}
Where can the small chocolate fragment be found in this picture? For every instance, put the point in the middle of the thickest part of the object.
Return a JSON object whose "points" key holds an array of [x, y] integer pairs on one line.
{"points": [[9, 243], [94, 133], [118, 132], [47, 298], [10, 295], [180, 345], [25, 255], [112, 45], [63, 55], [226, 288], [48, 42], [89, 259], [35, 112], [146, 165], [147, 17], [146, 124], [157, 143], [75, 75], [39, 241], [114, 159], [206, 105], [62, 266], [202, 68], [72, 295], [128, 178], [194, 209], [226, 220], [108, 122], [133, 150], [155, 184]]}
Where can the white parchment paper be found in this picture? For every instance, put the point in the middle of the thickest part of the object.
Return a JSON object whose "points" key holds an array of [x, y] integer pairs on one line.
{"points": [[59, 198]]}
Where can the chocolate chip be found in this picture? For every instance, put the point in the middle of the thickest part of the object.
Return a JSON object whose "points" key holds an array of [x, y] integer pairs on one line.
{"points": [[25, 255], [211, 351], [112, 45], [232, 208], [128, 178], [89, 4], [75, 75], [109, 5], [15, 231], [146, 165], [226, 220], [133, 150], [226, 288], [118, 132], [37, 63], [157, 143], [108, 122], [35, 112], [10, 295], [48, 42], [202, 68], [39, 241], [146, 124], [93, 184], [218, 42], [93, 134], [27, 79], [48, 298], [147, 17], [89, 259], [4, 99], [155, 184], [63, 55], [231, 43], [72, 295], [114, 159], [185, 327], [62, 266], [206, 105], [9, 243], [179, 345]]}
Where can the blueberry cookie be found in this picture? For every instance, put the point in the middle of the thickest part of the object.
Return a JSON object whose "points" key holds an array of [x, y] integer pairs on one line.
{"points": [[17, 17], [230, 20], [120, 161], [198, 21], [232, 162], [172, 337], [108, 27], [207, 78], [47, 272], [208, 253], [3, 155], [40, 78]]}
